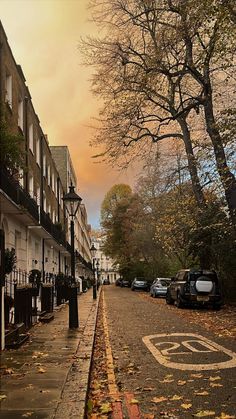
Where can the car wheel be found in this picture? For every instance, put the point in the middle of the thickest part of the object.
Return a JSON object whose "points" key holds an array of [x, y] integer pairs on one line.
{"points": [[179, 302], [169, 300]]}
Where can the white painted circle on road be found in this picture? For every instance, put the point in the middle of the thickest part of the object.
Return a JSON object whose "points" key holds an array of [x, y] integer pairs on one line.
{"points": [[166, 346]]}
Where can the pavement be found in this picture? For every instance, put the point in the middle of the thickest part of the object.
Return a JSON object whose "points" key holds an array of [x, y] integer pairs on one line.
{"points": [[48, 376]]}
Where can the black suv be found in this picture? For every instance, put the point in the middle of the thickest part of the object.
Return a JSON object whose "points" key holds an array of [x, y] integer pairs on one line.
{"points": [[198, 287]]}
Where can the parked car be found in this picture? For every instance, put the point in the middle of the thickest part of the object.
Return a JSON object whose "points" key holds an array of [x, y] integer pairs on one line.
{"points": [[125, 283], [194, 287], [106, 281], [159, 287], [118, 282], [140, 283]]}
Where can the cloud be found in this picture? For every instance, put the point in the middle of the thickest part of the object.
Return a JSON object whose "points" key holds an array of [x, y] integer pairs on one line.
{"points": [[44, 41]]}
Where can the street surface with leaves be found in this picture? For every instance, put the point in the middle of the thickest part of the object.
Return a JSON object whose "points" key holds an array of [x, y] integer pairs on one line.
{"points": [[155, 390]]}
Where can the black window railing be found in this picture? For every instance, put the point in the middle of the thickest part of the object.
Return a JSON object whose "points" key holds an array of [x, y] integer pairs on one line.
{"points": [[13, 190], [55, 230]]}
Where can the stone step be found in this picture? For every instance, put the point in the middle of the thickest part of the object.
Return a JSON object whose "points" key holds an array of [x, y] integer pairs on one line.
{"points": [[22, 338], [12, 334], [46, 318]]}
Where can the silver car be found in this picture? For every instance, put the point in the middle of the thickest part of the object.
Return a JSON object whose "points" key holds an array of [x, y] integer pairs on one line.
{"points": [[140, 283], [159, 287]]}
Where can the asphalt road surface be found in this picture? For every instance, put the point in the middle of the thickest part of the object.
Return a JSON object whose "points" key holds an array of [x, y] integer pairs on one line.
{"points": [[174, 368]]}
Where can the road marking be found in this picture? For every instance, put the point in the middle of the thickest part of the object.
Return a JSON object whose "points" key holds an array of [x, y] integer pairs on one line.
{"points": [[116, 396], [203, 345], [133, 408]]}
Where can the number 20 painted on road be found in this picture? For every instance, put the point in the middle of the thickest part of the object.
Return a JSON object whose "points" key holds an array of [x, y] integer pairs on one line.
{"points": [[204, 344]]}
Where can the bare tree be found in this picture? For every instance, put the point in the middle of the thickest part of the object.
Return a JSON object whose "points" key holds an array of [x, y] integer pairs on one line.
{"points": [[153, 69]]}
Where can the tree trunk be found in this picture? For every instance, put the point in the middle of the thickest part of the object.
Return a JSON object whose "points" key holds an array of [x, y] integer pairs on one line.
{"points": [[197, 190], [227, 178]]}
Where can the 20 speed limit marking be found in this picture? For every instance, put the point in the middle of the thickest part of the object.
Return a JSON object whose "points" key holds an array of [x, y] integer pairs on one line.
{"points": [[171, 348]]}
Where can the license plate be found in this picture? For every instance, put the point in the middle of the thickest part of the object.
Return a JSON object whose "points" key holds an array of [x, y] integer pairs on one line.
{"points": [[202, 298]]}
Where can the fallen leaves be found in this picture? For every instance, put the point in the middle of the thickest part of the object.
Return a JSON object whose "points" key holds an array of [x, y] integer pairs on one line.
{"points": [[204, 413], [41, 370], [181, 383], [215, 378], [225, 416], [134, 401], [105, 408], [2, 397], [159, 399], [176, 397], [186, 405], [201, 393]]}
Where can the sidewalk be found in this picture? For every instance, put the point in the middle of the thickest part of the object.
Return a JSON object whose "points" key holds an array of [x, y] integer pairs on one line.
{"points": [[48, 377]]}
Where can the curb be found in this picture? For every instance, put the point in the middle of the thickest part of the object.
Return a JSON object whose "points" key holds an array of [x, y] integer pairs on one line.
{"points": [[74, 392]]}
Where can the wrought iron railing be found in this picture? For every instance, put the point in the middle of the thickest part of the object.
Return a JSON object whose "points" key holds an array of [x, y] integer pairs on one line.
{"points": [[18, 195]]}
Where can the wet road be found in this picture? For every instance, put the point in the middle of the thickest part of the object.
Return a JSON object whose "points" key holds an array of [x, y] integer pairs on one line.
{"points": [[173, 367]]}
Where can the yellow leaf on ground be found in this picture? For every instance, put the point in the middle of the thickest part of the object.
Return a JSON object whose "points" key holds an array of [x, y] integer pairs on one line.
{"points": [[181, 382], [216, 385], [9, 371], [105, 408], [215, 378], [158, 399], [186, 405], [41, 370], [166, 380], [176, 397], [134, 401], [201, 393], [196, 375], [2, 397], [204, 413], [225, 416]]}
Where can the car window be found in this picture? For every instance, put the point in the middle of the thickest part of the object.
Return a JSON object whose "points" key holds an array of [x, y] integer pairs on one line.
{"points": [[164, 283], [180, 275], [203, 277]]}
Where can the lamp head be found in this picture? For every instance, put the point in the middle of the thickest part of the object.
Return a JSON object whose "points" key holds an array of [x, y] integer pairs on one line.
{"points": [[72, 201]]}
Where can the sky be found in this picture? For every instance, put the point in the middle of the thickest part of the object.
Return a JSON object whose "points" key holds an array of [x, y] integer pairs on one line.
{"points": [[44, 37]]}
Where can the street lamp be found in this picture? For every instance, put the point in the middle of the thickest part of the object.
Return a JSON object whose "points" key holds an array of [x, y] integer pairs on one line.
{"points": [[97, 266], [93, 253], [72, 202]]}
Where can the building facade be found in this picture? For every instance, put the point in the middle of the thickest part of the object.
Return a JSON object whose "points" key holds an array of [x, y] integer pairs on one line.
{"points": [[104, 265], [32, 211]]}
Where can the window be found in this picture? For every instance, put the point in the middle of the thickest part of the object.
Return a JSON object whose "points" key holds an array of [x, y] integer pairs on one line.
{"points": [[49, 174], [31, 186], [31, 138], [44, 165], [44, 202], [8, 89], [20, 114], [21, 177], [38, 195], [38, 151], [17, 243], [53, 181]]}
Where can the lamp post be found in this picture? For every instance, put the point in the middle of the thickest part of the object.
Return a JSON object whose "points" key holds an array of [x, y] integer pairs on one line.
{"points": [[97, 270], [93, 253], [72, 202]]}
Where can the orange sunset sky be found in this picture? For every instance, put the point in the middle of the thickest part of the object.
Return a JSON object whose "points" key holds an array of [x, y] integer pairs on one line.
{"points": [[44, 36]]}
